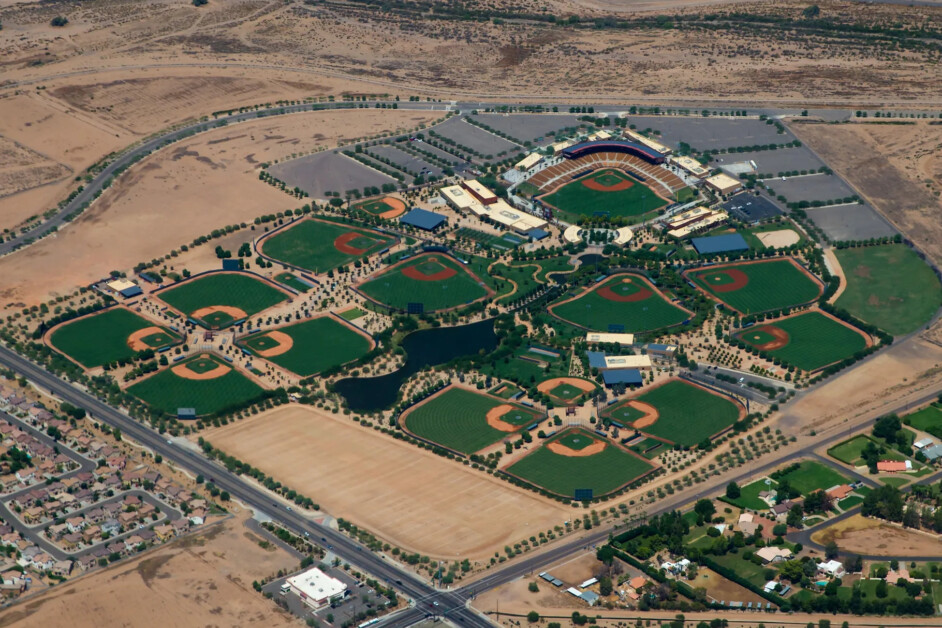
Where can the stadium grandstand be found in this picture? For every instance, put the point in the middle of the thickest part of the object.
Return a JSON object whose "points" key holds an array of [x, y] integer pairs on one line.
{"points": [[552, 177], [614, 146]]}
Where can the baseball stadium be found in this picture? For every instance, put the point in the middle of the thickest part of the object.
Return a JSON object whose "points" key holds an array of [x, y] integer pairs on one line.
{"points": [[387, 207], [627, 300], [217, 300], [319, 245], [808, 341], [466, 421], [579, 460], [676, 412], [300, 348], [754, 287], [427, 282], [110, 336]]}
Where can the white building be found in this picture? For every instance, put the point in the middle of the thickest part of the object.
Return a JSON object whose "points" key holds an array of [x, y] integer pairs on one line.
{"points": [[622, 339], [832, 568], [316, 588]]}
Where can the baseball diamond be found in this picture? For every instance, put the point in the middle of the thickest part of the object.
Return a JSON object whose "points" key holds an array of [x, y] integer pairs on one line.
{"points": [[106, 337], [436, 280], [606, 191], [300, 347], [320, 245], [753, 287], [218, 299]]}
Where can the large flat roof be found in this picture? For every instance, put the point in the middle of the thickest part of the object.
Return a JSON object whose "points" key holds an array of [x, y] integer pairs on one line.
{"points": [[317, 585], [623, 339], [622, 376], [459, 196], [423, 219], [720, 243]]}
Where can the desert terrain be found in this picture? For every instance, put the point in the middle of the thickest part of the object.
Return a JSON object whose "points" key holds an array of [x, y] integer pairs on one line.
{"points": [[869, 536]]}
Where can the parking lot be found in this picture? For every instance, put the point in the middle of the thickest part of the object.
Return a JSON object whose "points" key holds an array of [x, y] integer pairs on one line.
{"points": [[819, 187], [851, 222], [751, 208], [528, 126], [467, 134], [774, 161], [327, 171], [710, 133], [407, 161]]}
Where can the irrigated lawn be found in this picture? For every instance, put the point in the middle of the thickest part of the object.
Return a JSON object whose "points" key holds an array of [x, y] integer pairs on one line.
{"points": [[292, 281], [749, 495], [928, 420], [101, 338], [850, 451], [395, 289], [688, 413], [167, 392], [815, 340], [319, 344], [596, 312], [889, 286], [245, 292], [457, 419], [309, 244], [603, 472], [812, 476], [575, 199], [773, 285]]}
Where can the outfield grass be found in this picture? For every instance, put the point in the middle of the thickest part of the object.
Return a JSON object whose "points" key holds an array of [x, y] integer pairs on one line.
{"points": [[395, 289], [642, 448], [603, 472], [101, 338], [575, 199], [850, 451], [749, 495], [596, 312], [457, 419], [889, 286], [811, 476], [773, 285], [309, 355], [167, 392], [815, 341], [245, 292], [309, 244], [687, 413], [521, 368]]}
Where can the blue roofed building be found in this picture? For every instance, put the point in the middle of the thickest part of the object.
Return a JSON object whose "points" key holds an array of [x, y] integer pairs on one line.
{"points": [[624, 377], [423, 219], [596, 359], [720, 244]]}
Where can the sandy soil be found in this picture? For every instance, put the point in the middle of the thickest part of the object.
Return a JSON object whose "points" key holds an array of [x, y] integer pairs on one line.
{"points": [[411, 497], [179, 193], [780, 238], [867, 536], [834, 265], [200, 580]]}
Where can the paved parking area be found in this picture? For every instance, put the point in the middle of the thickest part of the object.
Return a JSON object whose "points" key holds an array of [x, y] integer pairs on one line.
{"points": [[360, 598], [851, 222], [528, 126], [446, 157], [328, 171], [710, 133], [405, 160], [774, 161], [474, 138], [819, 187], [751, 208]]}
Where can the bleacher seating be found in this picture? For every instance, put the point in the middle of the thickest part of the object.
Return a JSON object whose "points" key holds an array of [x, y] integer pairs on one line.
{"points": [[552, 177]]}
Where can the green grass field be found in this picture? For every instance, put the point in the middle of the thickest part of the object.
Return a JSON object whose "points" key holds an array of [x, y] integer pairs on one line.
{"points": [[749, 495], [245, 292], [772, 285], [596, 312], [889, 286], [849, 452], [103, 338], [812, 476], [309, 354], [292, 281], [567, 392], [649, 448], [928, 420], [505, 241], [504, 391], [395, 289], [352, 314], [575, 199], [376, 207], [688, 413], [166, 392], [815, 340], [603, 472], [457, 419], [309, 244]]}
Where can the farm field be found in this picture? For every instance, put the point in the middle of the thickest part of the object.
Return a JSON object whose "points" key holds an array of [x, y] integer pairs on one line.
{"points": [[604, 192], [811, 340], [459, 419], [889, 286], [218, 299], [436, 280], [106, 337], [168, 391], [625, 299], [686, 414], [603, 472], [310, 347], [811, 476], [321, 245], [758, 286]]}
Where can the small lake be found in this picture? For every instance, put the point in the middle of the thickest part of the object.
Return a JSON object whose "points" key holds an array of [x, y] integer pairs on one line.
{"points": [[428, 347]]}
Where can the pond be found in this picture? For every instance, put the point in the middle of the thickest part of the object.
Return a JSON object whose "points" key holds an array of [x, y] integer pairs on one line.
{"points": [[428, 347]]}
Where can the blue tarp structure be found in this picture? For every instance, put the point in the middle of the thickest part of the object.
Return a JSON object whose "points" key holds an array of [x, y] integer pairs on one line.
{"points": [[423, 219], [629, 377], [720, 244]]}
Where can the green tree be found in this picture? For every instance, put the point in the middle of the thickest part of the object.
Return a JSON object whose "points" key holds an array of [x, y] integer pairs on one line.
{"points": [[533, 617], [733, 491]]}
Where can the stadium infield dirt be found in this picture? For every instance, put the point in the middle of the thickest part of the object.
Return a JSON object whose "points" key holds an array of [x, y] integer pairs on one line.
{"points": [[780, 337], [596, 447], [550, 384], [182, 370], [234, 312], [641, 294], [414, 273], [494, 418], [342, 244], [407, 496], [398, 208], [136, 339], [650, 416], [285, 342]]}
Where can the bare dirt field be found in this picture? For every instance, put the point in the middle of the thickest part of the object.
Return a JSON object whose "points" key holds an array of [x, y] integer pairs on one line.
{"points": [[199, 580], [409, 496], [860, 535], [183, 191]]}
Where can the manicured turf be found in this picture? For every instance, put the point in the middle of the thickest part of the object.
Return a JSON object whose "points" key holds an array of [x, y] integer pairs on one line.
{"points": [[624, 414], [566, 392], [102, 338], [603, 472], [649, 448], [812, 476], [292, 282], [352, 314], [772, 285], [575, 199], [376, 207], [309, 244], [457, 419], [319, 344], [504, 391], [167, 392], [687, 413], [395, 289], [928, 420], [245, 292], [850, 451], [889, 286], [596, 312], [749, 495], [815, 340]]}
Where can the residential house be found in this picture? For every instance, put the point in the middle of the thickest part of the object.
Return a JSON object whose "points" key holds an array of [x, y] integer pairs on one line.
{"points": [[91, 534], [164, 532], [832, 568], [62, 568], [839, 492], [70, 542], [33, 515], [12, 578], [76, 523], [892, 577], [110, 526], [197, 517], [43, 562], [772, 554], [127, 519], [131, 542], [894, 466], [747, 523]]}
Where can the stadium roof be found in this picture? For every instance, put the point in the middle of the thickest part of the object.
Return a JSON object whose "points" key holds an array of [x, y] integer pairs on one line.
{"points": [[615, 146], [720, 244], [631, 377], [423, 219]]}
